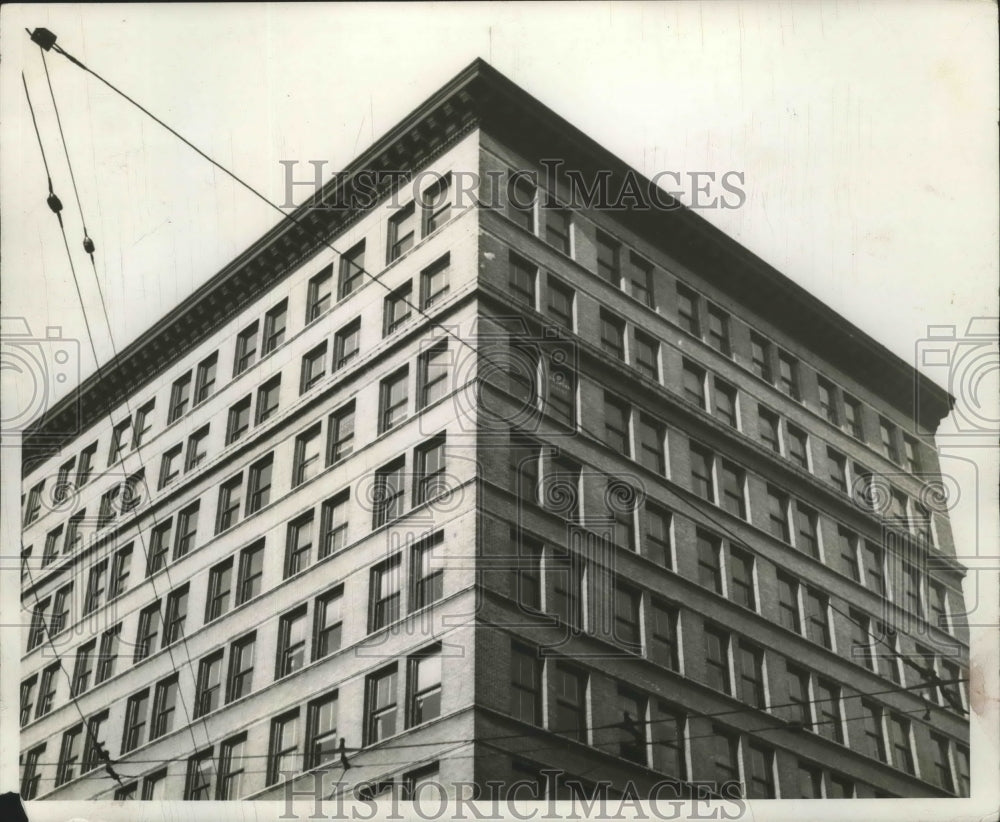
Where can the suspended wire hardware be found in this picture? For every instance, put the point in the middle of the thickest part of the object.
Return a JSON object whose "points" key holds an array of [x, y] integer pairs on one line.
{"points": [[45, 38], [54, 202]]}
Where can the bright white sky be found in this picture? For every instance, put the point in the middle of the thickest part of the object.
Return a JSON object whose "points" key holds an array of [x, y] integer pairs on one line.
{"points": [[867, 134]]}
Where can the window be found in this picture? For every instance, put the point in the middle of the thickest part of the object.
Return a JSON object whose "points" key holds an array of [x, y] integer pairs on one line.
{"points": [[31, 775], [560, 302], [85, 466], [164, 706], [28, 694], [725, 757], [333, 524], [940, 749], [69, 755], [434, 282], [570, 702], [154, 786], [962, 766], [427, 574], [663, 640], [701, 472], [232, 768], [725, 403], [938, 605], [528, 574], [859, 648], [320, 294], [241, 662], [159, 547], [283, 750], [525, 684], [798, 448], [246, 348], [646, 356], [521, 195], [220, 583], [208, 689], [887, 439], [693, 383], [384, 593], [346, 344], [902, 749], [687, 310], [340, 442], [298, 547], [848, 542], [888, 660], [760, 773], [259, 490], [657, 544], [817, 618], [135, 720], [558, 227], [198, 779], [61, 609], [777, 514], [402, 230], [110, 505], [435, 203], [709, 564], [327, 623], [566, 575], [149, 629], [187, 529], [170, 465], [291, 643], [230, 499], [321, 731], [829, 721], [119, 436], [627, 605], [74, 539], [640, 280], [47, 690], [397, 310], [204, 383], [841, 787], [108, 654], [872, 559], [93, 744], [389, 493], [393, 399], [852, 417], [380, 705], [788, 375], [732, 480], [36, 633], [51, 546], [267, 399], [837, 470], [313, 367], [250, 572], [34, 506], [613, 335], [633, 742], [828, 401], [668, 742], [718, 330], [621, 501], [741, 587], [177, 606], [352, 268], [609, 259], [717, 660], [807, 535], [788, 603], [560, 398], [522, 279], [239, 420], [799, 703], [910, 461], [616, 414], [139, 430], [433, 374], [95, 586], [424, 686]]}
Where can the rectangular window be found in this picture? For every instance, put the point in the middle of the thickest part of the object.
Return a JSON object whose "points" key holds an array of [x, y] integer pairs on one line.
{"points": [[340, 437], [246, 348], [61, 609], [380, 705], [560, 302], [427, 575], [136, 710], [837, 470], [31, 776], [640, 280], [768, 427], [259, 489], [434, 282], [119, 437], [320, 294], [208, 688], [725, 403], [313, 367], [609, 259], [154, 786], [86, 465], [693, 383], [347, 344], [435, 202], [164, 707], [848, 542], [402, 232], [887, 439], [95, 586], [633, 744], [187, 530], [327, 623], [799, 703], [701, 473], [424, 686], [159, 547], [275, 322], [333, 524], [352, 270], [93, 743], [525, 684], [36, 633], [230, 500], [725, 758], [142, 426], [220, 584], [910, 460], [570, 702], [717, 660], [384, 588], [560, 397], [741, 587], [47, 690], [176, 615], [829, 720], [393, 399], [522, 279], [760, 773], [852, 417], [828, 401], [291, 643], [732, 480], [687, 310], [432, 376], [198, 779], [51, 546], [521, 196], [74, 538], [196, 449], [283, 749], [962, 767], [238, 422], [250, 572], [148, 631], [232, 767], [241, 663], [646, 356], [28, 694], [170, 465], [788, 375], [627, 616], [940, 750], [298, 547], [664, 641], [807, 533], [558, 227], [69, 755], [389, 493], [397, 309], [616, 414], [817, 618], [321, 731], [718, 330], [267, 399], [788, 603], [902, 749], [872, 558], [668, 742], [613, 335], [204, 383], [108, 654], [566, 575], [82, 669], [709, 564], [777, 514], [657, 544]]}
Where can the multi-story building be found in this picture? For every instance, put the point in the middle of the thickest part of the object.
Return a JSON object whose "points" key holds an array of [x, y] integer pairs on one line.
{"points": [[463, 478]]}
